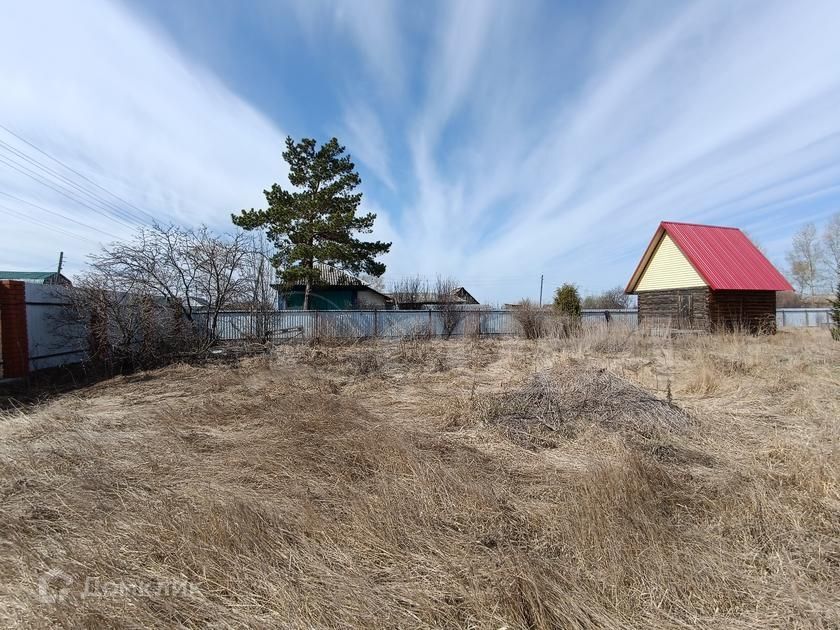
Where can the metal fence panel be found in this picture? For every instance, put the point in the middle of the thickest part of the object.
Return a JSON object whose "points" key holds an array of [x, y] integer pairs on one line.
{"points": [[499, 323], [803, 317], [389, 324], [625, 316], [52, 339]]}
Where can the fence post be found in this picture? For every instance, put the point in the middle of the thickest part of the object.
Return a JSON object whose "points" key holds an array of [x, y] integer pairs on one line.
{"points": [[317, 324], [375, 323], [784, 319], [479, 323], [807, 323], [432, 331]]}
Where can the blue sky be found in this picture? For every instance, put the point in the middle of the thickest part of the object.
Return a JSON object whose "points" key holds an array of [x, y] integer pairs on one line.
{"points": [[496, 140]]}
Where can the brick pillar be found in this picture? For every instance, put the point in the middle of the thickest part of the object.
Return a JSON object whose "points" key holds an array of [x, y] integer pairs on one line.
{"points": [[15, 341]]}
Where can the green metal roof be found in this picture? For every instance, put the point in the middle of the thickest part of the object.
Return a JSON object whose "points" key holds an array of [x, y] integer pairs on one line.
{"points": [[26, 275]]}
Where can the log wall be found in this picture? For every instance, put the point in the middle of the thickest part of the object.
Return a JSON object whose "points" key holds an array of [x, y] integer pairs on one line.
{"points": [[702, 309], [680, 308], [748, 310]]}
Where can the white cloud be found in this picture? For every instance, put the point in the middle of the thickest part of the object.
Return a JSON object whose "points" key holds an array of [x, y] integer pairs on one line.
{"points": [[367, 143], [92, 86]]}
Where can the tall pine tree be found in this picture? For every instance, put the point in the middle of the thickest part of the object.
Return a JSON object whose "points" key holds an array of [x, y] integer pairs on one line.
{"points": [[316, 222]]}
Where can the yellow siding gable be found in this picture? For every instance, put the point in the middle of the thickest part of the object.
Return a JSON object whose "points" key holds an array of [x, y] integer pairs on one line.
{"points": [[668, 268]]}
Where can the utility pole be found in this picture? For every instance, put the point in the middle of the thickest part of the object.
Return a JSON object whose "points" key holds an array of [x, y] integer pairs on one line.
{"points": [[60, 261], [541, 287]]}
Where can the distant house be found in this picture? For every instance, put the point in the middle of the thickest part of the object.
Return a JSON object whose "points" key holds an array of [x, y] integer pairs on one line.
{"points": [[335, 290], [432, 300], [706, 277], [36, 277]]}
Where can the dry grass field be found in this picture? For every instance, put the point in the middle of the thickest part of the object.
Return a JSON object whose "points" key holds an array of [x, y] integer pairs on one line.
{"points": [[614, 480]]}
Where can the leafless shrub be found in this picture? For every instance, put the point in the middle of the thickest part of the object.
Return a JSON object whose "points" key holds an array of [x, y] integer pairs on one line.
{"points": [[531, 318], [450, 307], [409, 293], [414, 348], [125, 330]]}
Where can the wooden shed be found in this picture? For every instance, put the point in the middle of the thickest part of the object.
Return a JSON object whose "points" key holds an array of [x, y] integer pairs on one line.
{"points": [[706, 277]]}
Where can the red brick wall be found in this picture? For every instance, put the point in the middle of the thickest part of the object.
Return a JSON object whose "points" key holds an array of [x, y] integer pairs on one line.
{"points": [[13, 336]]}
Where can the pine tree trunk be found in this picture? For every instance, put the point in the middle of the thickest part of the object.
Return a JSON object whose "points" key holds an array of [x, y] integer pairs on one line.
{"points": [[309, 264]]}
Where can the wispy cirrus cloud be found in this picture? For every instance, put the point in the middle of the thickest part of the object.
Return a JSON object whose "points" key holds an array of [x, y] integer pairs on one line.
{"points": [[372, 28], [363, 133], [715, 114], [98, 90]]}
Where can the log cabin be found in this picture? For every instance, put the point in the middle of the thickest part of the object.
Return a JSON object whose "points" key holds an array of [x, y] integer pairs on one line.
{"points": [[706, 277]]}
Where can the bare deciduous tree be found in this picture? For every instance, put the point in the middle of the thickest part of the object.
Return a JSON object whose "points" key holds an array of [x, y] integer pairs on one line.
{"points": [[804, 259], [161, 293], [450, 307], [259, 276], [414, 293], [611, 298], [410, 293], [831, 246], [219, 262], [374, 282], [196, 270]]}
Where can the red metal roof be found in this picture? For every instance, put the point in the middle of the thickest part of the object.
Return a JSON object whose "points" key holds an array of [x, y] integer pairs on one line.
{"points": [[725, 258]]}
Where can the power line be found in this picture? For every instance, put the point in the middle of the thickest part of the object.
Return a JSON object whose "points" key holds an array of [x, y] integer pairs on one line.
{"points": [[82, 175], [61, 188], [108, 205], [35, 176], [45, 225], [59, 214]]}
